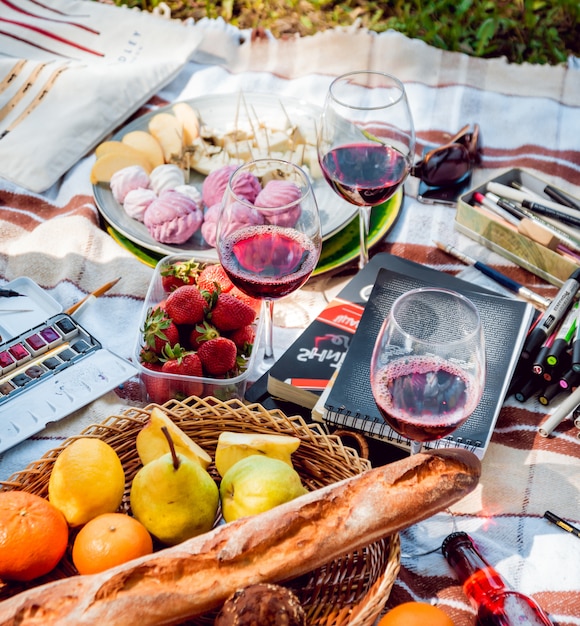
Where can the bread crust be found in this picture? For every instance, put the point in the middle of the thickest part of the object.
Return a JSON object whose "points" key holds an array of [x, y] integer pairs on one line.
{"points": [[294, 538]]}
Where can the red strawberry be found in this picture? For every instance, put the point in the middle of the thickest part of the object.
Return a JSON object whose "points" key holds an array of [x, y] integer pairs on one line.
{"points": [[178, 274], [182, 362], [200, 333], [255, 303], [158, 330], [218, 356], [244, 338], [213, 278], [186, 305], [229, 313], [157, 388]]}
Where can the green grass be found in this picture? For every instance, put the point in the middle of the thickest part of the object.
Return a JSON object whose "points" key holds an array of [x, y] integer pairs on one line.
{"points": [[532, 31]]}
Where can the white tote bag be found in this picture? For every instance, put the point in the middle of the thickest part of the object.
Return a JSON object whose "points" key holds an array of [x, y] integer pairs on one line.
{"points": [[70, 72]]}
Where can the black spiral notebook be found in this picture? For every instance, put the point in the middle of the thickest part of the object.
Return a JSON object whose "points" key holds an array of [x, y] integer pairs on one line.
{"points": [[348, 401]]}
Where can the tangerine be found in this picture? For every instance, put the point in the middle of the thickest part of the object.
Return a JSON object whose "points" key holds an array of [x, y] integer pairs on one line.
{"points": [[108, 540], [416, 614], [33, 536]]}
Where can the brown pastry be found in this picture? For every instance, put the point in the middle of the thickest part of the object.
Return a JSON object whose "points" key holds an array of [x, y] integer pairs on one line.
{"points": [[262, 604]]}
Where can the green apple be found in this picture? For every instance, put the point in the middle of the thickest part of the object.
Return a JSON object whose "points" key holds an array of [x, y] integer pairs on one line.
{"points": [[232, 447], [256, 484], [174, 497]]}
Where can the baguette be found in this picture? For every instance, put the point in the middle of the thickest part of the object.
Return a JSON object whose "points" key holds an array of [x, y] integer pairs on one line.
{"points": [[294, 538]]}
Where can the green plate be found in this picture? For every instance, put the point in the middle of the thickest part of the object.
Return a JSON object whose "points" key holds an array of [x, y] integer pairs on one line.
{"points": [[336, 251]]}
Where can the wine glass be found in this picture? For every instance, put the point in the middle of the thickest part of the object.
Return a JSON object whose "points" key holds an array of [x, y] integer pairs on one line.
{"points": [[428, 364], [366, 142], [427, 378], [268, 235]]}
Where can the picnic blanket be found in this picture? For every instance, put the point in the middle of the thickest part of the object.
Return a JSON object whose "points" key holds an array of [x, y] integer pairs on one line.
{"points": [[530, 118]]}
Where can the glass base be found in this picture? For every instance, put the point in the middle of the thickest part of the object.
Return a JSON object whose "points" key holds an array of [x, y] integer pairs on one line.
{"points": [[427, 537]]}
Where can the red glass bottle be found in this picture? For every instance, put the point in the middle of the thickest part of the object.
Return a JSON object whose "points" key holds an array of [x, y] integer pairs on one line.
{"points": [[496, 604]]}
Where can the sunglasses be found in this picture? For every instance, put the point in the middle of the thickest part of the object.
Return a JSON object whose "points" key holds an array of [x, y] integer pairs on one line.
{"points": [[452, 161]]}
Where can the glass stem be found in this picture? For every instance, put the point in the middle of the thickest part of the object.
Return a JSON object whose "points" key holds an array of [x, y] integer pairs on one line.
{"points": [[364, 225], [268, 329], [416, 447]]}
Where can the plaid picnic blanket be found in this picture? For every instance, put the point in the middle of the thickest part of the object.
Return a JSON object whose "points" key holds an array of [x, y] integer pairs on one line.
{"points": [[530, 118]]}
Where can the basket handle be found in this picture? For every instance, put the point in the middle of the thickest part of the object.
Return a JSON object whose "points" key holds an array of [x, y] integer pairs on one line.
{"points": [[360, 440]]}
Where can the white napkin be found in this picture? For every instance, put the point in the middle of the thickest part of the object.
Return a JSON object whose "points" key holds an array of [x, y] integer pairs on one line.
{"points": [[70, 72]]}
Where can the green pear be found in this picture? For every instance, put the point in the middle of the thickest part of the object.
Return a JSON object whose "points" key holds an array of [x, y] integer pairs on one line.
{"points": [[174, 497], [256, 484]]}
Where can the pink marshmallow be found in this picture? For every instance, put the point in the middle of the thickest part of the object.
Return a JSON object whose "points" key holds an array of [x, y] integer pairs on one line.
{"points": [[172, 218]]}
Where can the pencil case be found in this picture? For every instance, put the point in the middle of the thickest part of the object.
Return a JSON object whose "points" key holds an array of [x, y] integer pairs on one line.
{"points": [[498, 235]]}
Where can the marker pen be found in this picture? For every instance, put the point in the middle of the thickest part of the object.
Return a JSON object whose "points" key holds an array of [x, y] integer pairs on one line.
{"points": [[540, 362], [562, 214], [528, 389], [563, 410], [552, 315], [549, 393], [576, 345], [558, 521], [566, 331], [570, 379], [562, 198]]}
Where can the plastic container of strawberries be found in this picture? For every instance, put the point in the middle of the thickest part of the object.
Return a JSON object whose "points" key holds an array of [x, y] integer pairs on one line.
{"points": [[160, 387]]}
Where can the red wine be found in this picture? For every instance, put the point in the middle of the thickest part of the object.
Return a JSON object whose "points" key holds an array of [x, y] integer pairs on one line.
{"points": [[365, 174], [268, 261], [422, 398]]}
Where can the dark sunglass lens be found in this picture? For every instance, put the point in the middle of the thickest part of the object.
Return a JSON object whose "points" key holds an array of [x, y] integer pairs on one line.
{"points": [[446, 166]]}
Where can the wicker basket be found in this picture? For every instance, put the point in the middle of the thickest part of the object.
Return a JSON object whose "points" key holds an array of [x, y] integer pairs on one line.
{"points": [[351, 590]]}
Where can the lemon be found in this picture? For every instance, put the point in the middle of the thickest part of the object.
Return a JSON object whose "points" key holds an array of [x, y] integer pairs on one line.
{"points": [[87, 479]]}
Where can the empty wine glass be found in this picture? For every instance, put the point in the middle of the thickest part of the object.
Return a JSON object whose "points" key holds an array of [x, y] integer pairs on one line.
{"points": [[366, 142], [268, 233], [428, 364]]}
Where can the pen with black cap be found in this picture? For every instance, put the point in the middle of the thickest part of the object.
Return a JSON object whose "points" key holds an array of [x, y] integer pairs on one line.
{"points": [[562, 198], [563, 524], [552, 315]]}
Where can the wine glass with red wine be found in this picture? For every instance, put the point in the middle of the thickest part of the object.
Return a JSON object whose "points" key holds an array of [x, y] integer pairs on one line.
{"points": [[366, 142], [428, 364], [427, 377], [268, 233]]}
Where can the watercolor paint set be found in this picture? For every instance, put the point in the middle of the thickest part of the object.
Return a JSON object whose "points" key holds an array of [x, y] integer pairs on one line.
{"points": [[50, 365]]}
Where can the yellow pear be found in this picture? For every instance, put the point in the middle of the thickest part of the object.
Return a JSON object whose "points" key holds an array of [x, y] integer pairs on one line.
{"points": [[151, 442], [232, 447], [257, 484], [174, 497]]}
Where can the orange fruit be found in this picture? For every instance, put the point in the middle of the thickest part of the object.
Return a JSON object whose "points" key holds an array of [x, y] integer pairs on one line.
{"points": [[416, 614], [108, 540], [33, 536]]}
